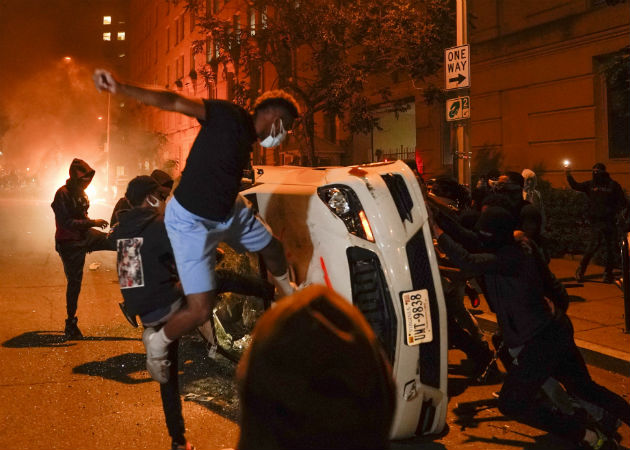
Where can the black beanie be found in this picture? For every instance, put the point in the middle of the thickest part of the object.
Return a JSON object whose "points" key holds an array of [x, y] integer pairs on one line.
{"points": [[162, 178], [139, 188], [314, 377], [496, 224]]}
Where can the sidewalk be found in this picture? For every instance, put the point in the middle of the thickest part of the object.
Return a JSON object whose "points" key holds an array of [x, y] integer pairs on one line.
{"points": [[597, 313]]}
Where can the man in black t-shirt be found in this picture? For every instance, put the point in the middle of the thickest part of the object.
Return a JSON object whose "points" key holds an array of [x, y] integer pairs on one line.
{"points": [[206, 208]]}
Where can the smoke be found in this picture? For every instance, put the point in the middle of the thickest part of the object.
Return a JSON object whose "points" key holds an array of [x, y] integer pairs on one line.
{"points": [[53, 117]]}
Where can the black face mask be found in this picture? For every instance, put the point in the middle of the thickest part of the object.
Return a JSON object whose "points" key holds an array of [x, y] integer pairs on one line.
{"points": [[599, 177]]}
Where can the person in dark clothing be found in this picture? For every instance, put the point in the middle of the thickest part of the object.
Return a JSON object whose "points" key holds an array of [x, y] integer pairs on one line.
{"points": [[75, 237], [165, 183], [149, 285], [605, 199], [530, 305], [206, 208]]}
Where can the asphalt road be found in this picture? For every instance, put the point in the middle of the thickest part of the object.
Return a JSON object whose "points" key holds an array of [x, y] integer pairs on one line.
{"points": [[95, 393]]}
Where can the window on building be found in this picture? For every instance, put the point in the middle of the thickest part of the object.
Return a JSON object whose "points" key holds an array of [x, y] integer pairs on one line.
{"points": [[182, 27], [176, 26], [107, 36], [107, 20], [120, 171], [617, 77], [236, 26], [168, 39], [121, 36], [192, 20], [192, 59], [263, 17], [251, 19], [216, 6], [168, 75], [155, 59]]}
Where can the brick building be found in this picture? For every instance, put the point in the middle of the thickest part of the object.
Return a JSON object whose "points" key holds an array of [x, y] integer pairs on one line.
{"points": [[538, 91]]}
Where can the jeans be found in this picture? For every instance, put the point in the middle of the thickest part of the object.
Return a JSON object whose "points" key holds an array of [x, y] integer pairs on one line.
{"points": [[171, 401], [73, 258]]}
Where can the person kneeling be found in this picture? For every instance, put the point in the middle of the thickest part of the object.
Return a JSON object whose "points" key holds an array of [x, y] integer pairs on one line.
{"points": [[149, 284]]}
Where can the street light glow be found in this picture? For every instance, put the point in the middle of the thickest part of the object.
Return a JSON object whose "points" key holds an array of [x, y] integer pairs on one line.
{"points": [[67, 59]]}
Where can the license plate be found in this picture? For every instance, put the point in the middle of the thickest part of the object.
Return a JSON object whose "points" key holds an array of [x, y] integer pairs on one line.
{"points": [[417, 317]]}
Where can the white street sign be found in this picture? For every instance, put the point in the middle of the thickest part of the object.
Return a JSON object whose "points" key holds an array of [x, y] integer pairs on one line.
{"points": [[458, 108], [457, 67]]}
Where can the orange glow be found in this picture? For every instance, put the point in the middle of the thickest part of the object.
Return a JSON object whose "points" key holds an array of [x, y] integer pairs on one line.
{"points": [[67, 59], [100, 117], [366, 226]]}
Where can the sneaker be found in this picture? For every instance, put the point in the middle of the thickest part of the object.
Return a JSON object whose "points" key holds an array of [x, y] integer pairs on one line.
{"points": [[602, 443], [71, 330], [157, 364], [186, 446], [579, 274], [608, 278], [131, 319]]}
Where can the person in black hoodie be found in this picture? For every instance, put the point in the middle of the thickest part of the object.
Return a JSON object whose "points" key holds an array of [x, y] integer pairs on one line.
{"points": [[605, 199], [148, 282], [530, 305], [75, 237], [165, 185]]}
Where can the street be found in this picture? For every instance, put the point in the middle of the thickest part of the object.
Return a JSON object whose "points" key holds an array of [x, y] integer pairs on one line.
{"points": [[96, 394]]}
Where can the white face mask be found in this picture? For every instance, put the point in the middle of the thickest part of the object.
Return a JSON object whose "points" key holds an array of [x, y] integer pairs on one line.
{"points": [[153, 201], [274, 139]]}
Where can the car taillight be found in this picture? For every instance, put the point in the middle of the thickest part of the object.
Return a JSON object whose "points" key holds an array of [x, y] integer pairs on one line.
{"points": [[345, 204]]}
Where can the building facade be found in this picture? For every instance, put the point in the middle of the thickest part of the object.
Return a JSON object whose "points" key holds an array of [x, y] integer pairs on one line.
{"points": [[539, 94]]}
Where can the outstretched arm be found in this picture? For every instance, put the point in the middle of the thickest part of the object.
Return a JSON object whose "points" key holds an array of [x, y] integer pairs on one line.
{"points": [[166, 100]]}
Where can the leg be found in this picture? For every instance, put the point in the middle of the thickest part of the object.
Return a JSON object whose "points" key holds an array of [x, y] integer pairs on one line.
{"points": [[536, 363], [198, 309], [591, 248], [609, 235], [73, 259], [248, 232], [171, 401], [573, 374]]}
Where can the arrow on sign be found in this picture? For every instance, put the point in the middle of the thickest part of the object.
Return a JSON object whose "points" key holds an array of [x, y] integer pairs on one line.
{"points": [[459, 78]]}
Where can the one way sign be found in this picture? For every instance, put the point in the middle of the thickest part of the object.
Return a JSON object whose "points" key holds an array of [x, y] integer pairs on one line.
{"points": [[457, 67]]}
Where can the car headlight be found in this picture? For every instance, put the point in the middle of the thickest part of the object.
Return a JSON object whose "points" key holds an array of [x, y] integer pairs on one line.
{"points": [[344, 202]]}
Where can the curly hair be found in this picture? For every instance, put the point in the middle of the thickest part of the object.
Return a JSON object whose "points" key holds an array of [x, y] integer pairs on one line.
{"points": [[277, 98]]}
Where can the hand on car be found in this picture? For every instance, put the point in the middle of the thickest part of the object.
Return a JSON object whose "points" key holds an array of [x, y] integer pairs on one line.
{"points": [[105, 81], [101, 223]]}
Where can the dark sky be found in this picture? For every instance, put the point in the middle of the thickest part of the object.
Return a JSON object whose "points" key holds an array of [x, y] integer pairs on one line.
{"points": [[36, 33], [51, 106]]}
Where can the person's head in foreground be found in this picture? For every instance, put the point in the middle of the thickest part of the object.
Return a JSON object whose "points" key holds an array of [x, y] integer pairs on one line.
{"points": [[314, 377]]}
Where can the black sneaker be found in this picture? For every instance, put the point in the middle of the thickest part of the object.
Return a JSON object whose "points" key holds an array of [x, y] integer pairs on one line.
{"points": [[72, 331], [186, 446], [579, 274]]}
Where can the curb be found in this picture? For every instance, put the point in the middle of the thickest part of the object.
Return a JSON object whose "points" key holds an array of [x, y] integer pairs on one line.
{"points": [[594, 354]]}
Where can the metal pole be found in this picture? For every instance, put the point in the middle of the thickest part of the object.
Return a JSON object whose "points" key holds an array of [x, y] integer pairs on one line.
{"points": [[625, 273], [463, 143], [109, 98]]}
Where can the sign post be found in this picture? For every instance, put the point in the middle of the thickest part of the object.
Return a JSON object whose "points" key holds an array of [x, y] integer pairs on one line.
{"points": [[457, 76]]}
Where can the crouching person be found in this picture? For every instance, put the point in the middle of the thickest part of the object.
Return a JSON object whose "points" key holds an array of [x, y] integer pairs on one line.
{"points": [[314, 377], [149, 283]]}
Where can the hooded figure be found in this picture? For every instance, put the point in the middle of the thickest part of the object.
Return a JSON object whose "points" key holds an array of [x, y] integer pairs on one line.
{"points": [[74, 236], [604, 200], [532, 194], [520, 289]]}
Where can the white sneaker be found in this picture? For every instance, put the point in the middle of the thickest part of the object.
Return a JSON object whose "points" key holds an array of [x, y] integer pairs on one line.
{"points": [[157, 364]]}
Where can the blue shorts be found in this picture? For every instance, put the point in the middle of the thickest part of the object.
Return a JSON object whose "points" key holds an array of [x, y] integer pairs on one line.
{"points": [[195, 239]]}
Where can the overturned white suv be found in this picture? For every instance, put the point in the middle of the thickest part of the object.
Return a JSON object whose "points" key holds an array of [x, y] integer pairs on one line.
{"points": [[363, 231]]}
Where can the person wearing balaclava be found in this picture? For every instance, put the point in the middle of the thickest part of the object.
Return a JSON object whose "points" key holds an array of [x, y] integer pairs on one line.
{"points": [[530, 307], [206, 207], [75, 236], [604, 200], [532, 194]]}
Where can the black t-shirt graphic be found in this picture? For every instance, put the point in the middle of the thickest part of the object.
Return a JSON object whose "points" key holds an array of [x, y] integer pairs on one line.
{"points": [[214, 168]]}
